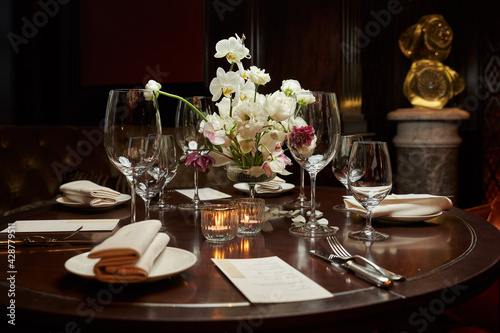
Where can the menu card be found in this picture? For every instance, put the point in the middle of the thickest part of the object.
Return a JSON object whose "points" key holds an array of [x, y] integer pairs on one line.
{"points": [[205, 193], [270, 280]]}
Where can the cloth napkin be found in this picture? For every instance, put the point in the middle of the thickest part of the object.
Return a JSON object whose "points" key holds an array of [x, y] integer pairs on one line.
{"points": [[270, 186], [89, 193], [129, 254], [403, 205]]}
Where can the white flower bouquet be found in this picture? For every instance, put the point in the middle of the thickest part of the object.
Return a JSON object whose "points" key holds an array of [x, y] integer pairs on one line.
{"points": [[249, 128]]}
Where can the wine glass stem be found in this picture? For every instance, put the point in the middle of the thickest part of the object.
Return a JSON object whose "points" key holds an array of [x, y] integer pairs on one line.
{"points": [[132, 200], [368, 226], [313, 198], [161, 195], [196, 198], [252, 190], [302, 196], [146, 208]]}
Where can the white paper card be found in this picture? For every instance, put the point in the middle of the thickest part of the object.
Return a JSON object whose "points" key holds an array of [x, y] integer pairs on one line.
{"points": [[64, 225], [270, 280], [205, 193]]}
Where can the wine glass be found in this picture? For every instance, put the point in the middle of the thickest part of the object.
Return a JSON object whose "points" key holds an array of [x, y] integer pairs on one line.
{"points": [[370, 180], [340, 164], [313, 145], [132, 132], [156, 177], [190, 138], [170, 150], [301, 201]]}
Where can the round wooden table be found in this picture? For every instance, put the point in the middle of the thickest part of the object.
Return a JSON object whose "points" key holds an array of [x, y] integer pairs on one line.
{"points": [[446, 260]]}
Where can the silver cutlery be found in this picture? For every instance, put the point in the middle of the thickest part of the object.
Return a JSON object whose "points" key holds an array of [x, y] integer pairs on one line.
{"points": [[341, 252], [39, 240], [361, 271]]}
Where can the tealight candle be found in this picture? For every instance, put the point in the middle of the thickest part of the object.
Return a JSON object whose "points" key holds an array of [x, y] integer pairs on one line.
{"points": [[219, 223], [251, 215]]}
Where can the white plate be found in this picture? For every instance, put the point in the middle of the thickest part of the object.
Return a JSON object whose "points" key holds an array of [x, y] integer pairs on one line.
{"points": [[243, 187], [170, 262], [65, 201], [408, 218]]}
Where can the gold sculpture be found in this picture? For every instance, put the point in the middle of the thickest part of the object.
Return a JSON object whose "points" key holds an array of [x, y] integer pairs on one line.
{"points": [[429, 83]]}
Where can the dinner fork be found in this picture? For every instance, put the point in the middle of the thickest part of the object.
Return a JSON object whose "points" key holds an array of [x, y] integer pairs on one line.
{"points": [[341, 252]]}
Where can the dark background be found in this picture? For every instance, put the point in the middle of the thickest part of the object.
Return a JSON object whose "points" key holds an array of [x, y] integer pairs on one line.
{"points": [[60, 72]]}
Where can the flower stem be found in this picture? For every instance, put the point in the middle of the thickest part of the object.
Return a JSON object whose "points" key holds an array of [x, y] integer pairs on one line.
{"points": [[189, 104]]}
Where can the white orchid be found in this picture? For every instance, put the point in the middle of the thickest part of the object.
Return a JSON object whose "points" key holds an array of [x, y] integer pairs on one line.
{"points": [[233, 49], [224, 83]]}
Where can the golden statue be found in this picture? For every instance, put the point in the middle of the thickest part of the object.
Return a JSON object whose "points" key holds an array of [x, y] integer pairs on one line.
{"points": [[429, 83]]}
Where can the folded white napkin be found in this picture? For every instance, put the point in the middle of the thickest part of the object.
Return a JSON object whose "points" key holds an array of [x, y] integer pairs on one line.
{"points": [[403, 205], [270, 186], [129, 254], [89, 193]]}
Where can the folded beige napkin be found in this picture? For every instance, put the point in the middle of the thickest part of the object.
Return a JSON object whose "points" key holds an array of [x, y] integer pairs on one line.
{"points": [[89, 193], [403, 205], [129, 254]]}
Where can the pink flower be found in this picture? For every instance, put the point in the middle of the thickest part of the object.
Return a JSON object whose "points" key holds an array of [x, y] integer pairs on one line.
{"points": [[199, 161], [301, 136], [276, 162]]}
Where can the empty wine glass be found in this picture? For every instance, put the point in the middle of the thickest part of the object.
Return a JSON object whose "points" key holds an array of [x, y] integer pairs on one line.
{"points": [[301, 201], [132, 132], [313, 142], [156, 177], [190, 138], [370, 180], [340, 164], [173, 163]]}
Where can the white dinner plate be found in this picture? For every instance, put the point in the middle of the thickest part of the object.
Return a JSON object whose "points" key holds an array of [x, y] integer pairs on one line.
{"points": [[408, 218], [243, 187], [122, 198], [170, 262]]}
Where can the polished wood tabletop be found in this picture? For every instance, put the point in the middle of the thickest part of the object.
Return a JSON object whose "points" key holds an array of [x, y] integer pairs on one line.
{"points": [[446, 260]]}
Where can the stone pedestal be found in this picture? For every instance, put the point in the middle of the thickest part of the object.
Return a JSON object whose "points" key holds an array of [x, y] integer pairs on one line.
{"points": [[427, 144]]}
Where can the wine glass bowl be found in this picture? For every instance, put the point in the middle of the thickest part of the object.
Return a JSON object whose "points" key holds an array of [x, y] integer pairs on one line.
{"points": [[313, 141], [156, 177], [340, 164], [190, 138], [369, 181], [132, 132], [172, 164]]}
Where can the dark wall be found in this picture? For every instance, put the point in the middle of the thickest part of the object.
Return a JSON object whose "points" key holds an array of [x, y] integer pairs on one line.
{"points": [[41, 75]]}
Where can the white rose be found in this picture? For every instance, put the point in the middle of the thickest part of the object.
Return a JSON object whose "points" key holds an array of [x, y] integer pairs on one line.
{"points": [[279, 106], [290, 87], [258, 76], [154, 86], [305, 97]]}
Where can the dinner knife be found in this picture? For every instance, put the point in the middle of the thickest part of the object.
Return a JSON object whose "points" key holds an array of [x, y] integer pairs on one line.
{"points": [[24, 242], [368, 275]]}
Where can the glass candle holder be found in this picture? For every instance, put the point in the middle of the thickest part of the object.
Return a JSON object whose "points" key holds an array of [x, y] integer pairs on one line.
{"points": [[219, 222], [251, 215]]}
